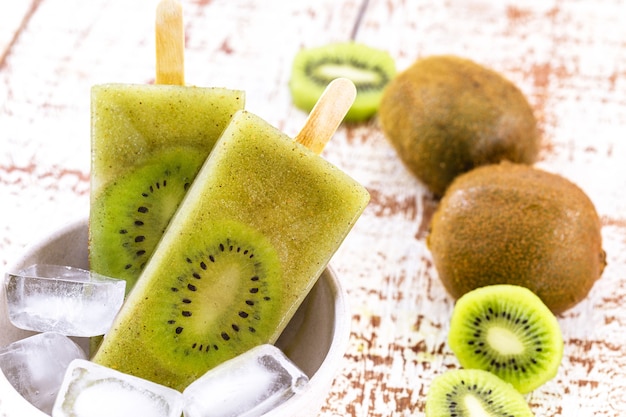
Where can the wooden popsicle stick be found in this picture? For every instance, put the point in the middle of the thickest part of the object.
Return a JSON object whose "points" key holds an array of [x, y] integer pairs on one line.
{"points": [[170, 43], [327, 114]]}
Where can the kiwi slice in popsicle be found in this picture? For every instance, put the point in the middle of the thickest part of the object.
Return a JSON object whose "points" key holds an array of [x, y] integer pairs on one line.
{"points": [[474, 393], [370, 70], [132, 213], [508, 331], [219, 296]]}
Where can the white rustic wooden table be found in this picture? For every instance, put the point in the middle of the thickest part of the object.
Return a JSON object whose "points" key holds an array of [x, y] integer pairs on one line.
{"points": [[568, 57]]}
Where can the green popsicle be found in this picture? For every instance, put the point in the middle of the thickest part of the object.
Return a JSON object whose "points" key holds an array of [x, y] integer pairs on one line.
{"points": [[260, 223]]}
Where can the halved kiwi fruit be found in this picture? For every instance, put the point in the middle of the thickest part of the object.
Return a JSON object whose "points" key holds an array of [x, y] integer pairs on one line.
{"points": [[507, 330], [474, 393], [216, 298], [369, 68], [134, 210]]}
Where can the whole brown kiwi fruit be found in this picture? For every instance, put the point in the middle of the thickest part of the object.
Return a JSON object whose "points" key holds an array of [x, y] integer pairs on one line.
{"points": [[515, 224], [446, 115]]}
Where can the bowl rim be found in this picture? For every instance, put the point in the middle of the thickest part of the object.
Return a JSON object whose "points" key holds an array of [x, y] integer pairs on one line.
{"points": [[311, 398]]}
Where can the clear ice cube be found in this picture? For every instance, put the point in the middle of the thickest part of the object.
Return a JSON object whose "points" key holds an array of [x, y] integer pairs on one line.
{"points": [[92, 390], [248, 385], [61, 299], [35, 366]]}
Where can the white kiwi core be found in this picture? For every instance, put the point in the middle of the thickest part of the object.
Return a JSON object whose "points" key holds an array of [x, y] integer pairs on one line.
{"points": [[504, 341], [358, 75], [475, 407]]}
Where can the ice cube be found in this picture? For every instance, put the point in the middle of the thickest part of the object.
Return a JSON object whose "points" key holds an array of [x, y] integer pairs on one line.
{"points": [[35, 366], [248, 385], [61, 299], [92, 390]]}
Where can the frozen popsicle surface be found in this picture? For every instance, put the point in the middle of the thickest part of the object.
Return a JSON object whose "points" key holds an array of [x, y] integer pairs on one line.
{"points": [[148, 143], [254, 232]]}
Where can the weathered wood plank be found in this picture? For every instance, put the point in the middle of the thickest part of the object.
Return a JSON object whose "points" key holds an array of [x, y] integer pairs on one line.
{"points": [[13, 19]]}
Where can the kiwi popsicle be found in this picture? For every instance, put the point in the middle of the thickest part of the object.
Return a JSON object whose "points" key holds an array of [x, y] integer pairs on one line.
{"points": [[148, 143], [254, 232]]}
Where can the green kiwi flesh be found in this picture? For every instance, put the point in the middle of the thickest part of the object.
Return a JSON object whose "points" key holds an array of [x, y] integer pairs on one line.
{"points": [[507, 330], [369, 68], [131, 213], [214, 301], [474, 393]]}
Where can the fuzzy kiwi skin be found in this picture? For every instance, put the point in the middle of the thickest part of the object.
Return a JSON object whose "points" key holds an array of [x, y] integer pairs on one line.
{"points": [[445, 115], [514, 224], [522, 319], [468, 392]]}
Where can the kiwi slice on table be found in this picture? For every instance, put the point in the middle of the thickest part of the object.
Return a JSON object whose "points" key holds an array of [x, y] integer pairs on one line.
{"points": [[197, 305], [370, 70], [474, 393], [446, 115], [135, 210], [507, 330]]}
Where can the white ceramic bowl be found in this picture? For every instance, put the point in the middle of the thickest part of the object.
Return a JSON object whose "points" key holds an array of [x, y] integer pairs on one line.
{"points": [[315, 339]]}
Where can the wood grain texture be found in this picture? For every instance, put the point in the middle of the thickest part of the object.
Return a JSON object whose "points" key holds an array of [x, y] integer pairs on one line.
{"points": [[568, 57]]}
